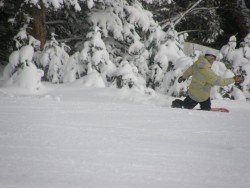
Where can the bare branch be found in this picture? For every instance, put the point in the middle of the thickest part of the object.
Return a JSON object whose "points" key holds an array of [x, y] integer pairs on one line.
{"points": [[203, 8], [189, 31], [187, 11], [176, 19]]}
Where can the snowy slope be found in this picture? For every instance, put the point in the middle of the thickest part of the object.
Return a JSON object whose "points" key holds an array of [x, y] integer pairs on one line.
{"points": [[72, 137]]}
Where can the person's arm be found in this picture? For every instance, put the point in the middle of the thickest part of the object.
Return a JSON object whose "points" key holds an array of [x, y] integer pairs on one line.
{"points": [[188, 73], [213, 79]]}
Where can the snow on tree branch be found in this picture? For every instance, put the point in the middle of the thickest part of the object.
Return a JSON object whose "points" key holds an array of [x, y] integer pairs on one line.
{"points": [[57, 4]]}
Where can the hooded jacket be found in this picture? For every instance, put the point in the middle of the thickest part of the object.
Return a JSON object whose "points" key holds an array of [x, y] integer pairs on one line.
{"points": [[203, 78]]}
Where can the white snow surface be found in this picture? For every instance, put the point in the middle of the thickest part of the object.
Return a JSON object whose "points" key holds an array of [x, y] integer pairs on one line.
{"points": [[71, 136]]}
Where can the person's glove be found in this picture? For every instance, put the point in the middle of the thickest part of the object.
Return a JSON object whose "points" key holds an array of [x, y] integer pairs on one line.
{"points": [[238, 79], [181, 79]]}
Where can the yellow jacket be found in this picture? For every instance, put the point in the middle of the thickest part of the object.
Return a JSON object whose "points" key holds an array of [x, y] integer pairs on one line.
{"points": [[203, 78]]}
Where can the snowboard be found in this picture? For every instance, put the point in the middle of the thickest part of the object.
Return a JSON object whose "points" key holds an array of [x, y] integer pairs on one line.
{"points": [[219, 110]]}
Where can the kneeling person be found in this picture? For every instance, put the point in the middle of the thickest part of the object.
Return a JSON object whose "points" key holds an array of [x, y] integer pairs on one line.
{"points": [[203, 79]]}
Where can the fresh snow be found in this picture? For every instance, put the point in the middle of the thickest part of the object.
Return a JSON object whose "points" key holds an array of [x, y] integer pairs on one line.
{"points": [[85, 133], [72, 136]]}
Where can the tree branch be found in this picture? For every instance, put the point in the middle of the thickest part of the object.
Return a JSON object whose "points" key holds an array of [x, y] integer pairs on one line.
{"points": [[179, 17], [189, 31], [187, 11], [203, 8]]}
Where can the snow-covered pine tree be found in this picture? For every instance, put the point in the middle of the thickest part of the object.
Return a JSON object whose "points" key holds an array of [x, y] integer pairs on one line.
{"points": [[127, 76], [143, 42], [166, 53], [73, 70], [95, 57], [223, 71], [21, 70], [238, 61], [199, 18], [53, 60], [124, 26], [139, 56], [227, 51], [241, 64]]}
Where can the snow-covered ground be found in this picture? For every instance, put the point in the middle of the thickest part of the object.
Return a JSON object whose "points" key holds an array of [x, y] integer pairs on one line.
{"points": [[76, 137]]}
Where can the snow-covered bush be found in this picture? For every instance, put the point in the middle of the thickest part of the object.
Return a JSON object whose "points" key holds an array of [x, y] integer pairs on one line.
{"points": [[127, 76], [12, 66], [126, 25], [94, 56], [227, 51], [239, 62], [53, 60], [167, 57], [73, 70], [25, 45], [221, 70], [27, 77], [21, 70], [159, 68], [93, 79], [139, 56], [170, 84]]}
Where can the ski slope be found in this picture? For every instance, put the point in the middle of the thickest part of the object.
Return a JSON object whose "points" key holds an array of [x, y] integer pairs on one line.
{"points": [[76, 137]]}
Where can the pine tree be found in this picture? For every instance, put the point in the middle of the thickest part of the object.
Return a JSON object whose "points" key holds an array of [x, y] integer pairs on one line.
{"points": [[94, 56], [53, 60], [21, 70]]}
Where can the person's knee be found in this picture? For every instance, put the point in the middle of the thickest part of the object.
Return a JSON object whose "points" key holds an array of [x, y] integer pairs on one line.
{"points": [[189, 103], [177, 103]]}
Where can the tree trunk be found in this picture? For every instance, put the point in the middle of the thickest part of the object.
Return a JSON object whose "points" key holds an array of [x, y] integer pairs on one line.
{"points": [[38, 27]]}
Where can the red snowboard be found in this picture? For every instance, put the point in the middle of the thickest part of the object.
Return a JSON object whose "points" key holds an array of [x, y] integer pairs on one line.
{"points": [[219, 110]]}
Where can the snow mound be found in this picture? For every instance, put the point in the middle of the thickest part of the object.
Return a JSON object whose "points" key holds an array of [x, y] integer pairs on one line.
{"points": [[93, 79], [26, 80]]}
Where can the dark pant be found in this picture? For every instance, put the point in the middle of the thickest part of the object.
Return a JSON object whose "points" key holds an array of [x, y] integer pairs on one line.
{"points": [[190, 103]]}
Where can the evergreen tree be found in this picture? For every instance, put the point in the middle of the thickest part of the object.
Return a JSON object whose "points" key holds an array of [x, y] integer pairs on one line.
{"points": [[94, 56], [21, 70], [53, 60]]}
